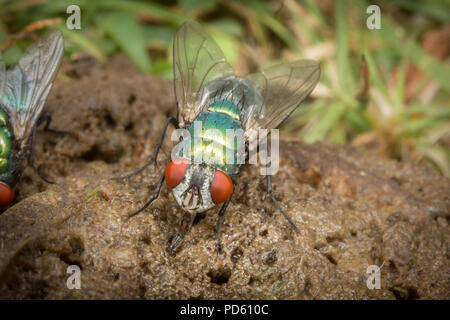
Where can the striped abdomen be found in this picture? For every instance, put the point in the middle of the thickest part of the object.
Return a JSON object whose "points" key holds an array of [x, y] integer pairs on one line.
{"points": [[214, 145]]}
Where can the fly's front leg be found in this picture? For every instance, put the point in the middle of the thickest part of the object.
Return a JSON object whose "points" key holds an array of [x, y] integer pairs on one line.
{"points": [[170, 120], [47, 118], [178, 239], [220, 219], [31, 153], [219, 224], [153, 198]]}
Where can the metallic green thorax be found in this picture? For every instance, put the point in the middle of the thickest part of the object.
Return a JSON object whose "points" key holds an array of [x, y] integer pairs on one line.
{"points": [[215, 120], [6, 143]]}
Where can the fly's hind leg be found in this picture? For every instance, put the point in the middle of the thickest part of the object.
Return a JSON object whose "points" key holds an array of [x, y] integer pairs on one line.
{"points": [[277, 205], [170, 120], [270, 193]]}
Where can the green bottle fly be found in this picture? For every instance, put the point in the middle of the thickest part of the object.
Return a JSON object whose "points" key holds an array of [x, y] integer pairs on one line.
{"points": [[23, 92]]}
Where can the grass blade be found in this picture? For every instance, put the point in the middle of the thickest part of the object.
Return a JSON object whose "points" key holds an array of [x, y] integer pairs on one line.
{"points": [[125, 29]]}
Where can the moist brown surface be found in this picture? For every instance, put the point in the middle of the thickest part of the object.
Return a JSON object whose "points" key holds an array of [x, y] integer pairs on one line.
{"points": [[353, 209]]}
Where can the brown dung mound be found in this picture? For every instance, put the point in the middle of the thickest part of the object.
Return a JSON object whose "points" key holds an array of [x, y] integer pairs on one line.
{"points": [[353, 210]]}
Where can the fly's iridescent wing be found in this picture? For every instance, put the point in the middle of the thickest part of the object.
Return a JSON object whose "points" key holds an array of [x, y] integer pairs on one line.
{"points": [[197, 60], [264, 99], [28, 83], [281, 89]]}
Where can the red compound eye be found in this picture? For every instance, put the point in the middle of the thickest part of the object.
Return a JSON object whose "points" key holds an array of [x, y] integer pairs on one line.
{"points": [[6, 195], [175, 172], [221, 187]]}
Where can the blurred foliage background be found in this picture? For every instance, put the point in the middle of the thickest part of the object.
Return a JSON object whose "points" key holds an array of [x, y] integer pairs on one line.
{"points": [[386, 90]]}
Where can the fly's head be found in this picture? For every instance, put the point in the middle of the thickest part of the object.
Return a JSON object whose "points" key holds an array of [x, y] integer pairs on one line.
{"points": [[6, 195], [197, 187]]}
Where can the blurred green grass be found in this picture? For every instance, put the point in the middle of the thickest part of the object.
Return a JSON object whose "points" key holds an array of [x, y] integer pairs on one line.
{"points": [[379, 89]]}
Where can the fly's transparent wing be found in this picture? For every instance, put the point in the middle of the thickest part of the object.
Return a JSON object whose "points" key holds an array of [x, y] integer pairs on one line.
{"points": [[197, 60], [28, 83], [281, 89]]}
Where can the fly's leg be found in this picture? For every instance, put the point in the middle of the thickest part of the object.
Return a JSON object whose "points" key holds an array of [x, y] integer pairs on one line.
{"points": [[270, 193], [185, 226], [219, 223], [220, 219], [31, 151], [153, 198], [47, 118], [155, 153], [152, 160]]}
